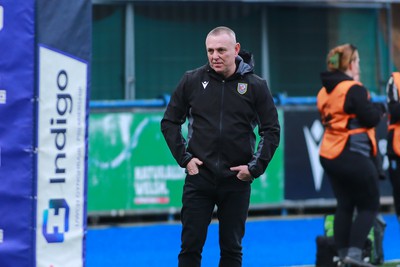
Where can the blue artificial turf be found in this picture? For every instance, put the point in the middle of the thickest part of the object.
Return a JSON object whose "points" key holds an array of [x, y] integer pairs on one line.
{"points": [[268, 242]]}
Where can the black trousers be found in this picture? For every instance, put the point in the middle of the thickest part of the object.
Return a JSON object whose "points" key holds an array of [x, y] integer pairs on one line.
{"points": [[201, 193], [394, 174], [354, 180]]}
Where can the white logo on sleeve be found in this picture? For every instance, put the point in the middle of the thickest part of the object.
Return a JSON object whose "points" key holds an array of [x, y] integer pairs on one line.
{"points": [[205, 83]]}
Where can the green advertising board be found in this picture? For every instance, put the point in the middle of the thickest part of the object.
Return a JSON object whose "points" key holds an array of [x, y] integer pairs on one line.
{"points": [[132, 170]]}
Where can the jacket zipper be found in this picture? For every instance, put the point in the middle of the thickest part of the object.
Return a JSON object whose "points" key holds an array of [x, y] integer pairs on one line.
{"points": [[220, 127]]}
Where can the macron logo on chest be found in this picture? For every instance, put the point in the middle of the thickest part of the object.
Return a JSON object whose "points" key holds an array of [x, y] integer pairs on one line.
{"points": [[205, 83]]}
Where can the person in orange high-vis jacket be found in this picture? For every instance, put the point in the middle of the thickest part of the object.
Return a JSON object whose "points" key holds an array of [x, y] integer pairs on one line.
{"points": [[348, 149], [393, 137]]}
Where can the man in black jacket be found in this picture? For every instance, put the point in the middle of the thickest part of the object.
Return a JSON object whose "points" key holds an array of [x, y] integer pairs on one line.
{"points": [[223, 102]]}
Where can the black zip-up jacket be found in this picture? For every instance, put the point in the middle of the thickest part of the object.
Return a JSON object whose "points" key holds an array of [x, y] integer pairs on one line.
{"points": [[222, 115]]}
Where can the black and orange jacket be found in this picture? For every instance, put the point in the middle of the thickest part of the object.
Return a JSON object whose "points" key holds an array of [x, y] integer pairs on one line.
{"points": [[393, 92], [348, 115], [222, 114]]}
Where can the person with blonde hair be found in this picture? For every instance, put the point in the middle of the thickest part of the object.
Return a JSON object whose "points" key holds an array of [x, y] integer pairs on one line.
{"points": [[348, 150]]}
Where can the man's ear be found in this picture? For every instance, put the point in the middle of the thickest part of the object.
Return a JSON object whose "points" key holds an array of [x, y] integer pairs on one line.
{"points": [[237, 49]]}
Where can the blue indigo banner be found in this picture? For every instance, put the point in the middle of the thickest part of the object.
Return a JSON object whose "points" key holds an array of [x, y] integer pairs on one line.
{"points": [[63, 53], [62, 157]]}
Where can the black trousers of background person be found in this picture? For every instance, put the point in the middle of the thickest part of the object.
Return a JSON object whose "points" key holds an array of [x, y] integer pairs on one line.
{"points": [[354, 179], [201, 193], [394, 174]]}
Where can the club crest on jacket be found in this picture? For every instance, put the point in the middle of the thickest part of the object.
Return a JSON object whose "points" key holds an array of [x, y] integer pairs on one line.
{"points": [[242, 88]]}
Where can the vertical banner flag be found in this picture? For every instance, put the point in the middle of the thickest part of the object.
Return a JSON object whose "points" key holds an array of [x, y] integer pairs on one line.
{"points": [[17, 200], [61, 159], [63, 35]]}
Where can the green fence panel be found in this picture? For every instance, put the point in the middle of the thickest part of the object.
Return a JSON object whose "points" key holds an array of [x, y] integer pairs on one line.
{"points": [[269, 188], [132, 170]]}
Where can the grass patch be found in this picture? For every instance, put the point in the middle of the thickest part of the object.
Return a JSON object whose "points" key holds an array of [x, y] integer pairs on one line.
{"points": [[391, 264]]}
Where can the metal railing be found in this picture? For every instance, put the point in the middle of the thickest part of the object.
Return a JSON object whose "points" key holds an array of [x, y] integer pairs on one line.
{"points": [[162, 101]]}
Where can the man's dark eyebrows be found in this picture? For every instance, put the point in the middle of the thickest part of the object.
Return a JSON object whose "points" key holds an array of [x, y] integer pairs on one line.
{"points": [[219, 49]]}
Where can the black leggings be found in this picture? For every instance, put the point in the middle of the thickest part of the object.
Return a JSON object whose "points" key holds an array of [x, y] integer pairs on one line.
{"points": [[354, 180]]}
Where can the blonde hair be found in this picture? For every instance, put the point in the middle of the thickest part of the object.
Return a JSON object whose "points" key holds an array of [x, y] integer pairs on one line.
{"points": [[340, 57]]}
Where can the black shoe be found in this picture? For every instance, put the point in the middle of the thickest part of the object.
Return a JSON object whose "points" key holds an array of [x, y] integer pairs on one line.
{"points": [[357, 263]]}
